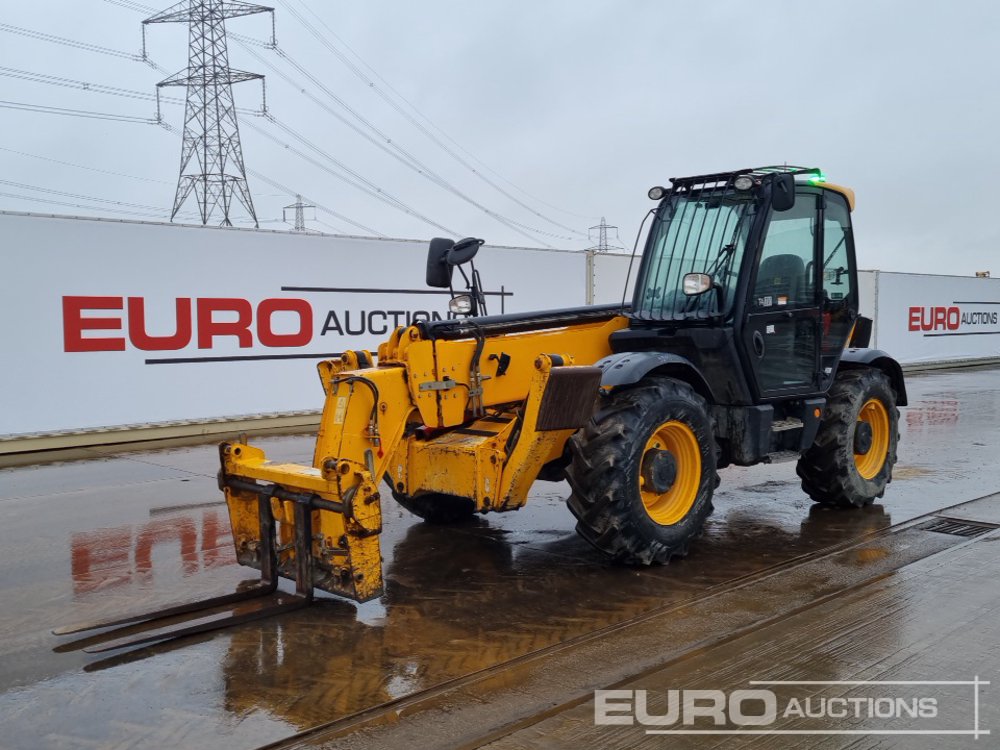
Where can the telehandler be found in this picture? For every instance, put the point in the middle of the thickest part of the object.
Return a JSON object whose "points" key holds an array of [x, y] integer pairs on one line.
{"points": [[742, 344]]}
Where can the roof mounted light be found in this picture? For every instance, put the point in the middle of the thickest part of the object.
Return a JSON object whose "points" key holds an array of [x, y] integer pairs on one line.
{"points": [[818, 177], [657, 193], [743, 182]]}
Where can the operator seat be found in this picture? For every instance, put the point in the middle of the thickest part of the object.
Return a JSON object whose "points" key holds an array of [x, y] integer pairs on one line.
{"points": [[780, 276]]}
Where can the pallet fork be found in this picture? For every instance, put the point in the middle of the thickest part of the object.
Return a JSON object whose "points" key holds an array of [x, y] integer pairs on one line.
{"points": [[142, 628]]}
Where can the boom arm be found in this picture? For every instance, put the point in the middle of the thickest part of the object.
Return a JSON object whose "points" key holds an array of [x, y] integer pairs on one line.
{"points": [[475, 414]]}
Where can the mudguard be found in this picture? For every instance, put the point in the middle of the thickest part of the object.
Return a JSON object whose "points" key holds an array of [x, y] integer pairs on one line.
{"points": [[628, 368], [854, 358]]}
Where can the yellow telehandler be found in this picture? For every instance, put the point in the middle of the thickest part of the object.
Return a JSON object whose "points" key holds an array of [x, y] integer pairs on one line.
{"points": [[742, 344]]}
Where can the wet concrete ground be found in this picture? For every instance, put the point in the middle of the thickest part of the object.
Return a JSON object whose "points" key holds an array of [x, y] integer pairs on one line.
{"points": [[933, 619], [89, 539]]}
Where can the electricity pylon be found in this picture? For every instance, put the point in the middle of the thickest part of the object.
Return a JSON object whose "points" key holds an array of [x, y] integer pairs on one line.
{"points": [[211, 156]]}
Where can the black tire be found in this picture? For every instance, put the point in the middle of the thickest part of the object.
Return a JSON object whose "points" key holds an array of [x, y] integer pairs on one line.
{"points": [[437, 508], [828, 469], [606, 464]]}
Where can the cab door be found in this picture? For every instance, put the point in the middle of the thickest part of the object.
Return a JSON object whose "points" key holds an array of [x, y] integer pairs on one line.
{"points": [[838, 284], [782, 332]]}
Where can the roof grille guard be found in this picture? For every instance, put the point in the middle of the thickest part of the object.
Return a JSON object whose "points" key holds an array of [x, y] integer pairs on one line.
{"points": [[703, 181]]}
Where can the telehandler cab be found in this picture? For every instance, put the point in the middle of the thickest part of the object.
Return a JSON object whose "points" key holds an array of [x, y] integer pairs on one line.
{"points": [[743, 344]]}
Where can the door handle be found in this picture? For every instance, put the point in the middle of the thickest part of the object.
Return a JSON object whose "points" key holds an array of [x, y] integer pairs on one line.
{"points": [[758, 344]]}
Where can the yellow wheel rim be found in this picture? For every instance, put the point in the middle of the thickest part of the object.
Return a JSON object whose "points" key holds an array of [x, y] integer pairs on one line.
{"points": [[679, 440], [875, 415]]}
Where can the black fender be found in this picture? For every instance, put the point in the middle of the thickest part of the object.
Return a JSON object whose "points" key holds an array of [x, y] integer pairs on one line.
{"points": [[855, 358], [628, 368]]}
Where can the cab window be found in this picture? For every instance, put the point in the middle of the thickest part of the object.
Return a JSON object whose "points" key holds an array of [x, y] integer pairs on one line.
{"points": [[784, 276], [837, 281]]}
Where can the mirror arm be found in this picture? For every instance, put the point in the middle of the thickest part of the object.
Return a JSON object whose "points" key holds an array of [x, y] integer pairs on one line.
{"points": [[478, 298]]}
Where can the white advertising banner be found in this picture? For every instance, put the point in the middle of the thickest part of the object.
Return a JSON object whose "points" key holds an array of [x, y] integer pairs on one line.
{"points": [[924, 318], [867, 284], [108, 323], [611, 281]]}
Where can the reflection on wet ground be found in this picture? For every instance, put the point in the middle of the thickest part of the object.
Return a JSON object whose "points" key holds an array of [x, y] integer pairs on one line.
{"points": [[88, 539], [934, 618]]}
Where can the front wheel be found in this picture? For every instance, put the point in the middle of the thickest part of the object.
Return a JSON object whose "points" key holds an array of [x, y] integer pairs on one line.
{"points": [[643, 472], [850, 462]]}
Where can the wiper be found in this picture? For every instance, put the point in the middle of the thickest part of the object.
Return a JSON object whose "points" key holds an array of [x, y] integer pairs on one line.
{"points": [[725, 254]]}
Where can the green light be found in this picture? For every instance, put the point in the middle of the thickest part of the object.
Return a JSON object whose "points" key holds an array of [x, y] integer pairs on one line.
{"points": [[817, 178]]}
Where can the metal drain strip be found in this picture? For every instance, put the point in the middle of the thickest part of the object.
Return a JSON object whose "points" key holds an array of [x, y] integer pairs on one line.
{"points": [[957, 527]]}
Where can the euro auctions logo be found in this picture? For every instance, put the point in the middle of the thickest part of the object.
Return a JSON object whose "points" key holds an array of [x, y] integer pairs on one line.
{"points": [[115, 324], [953, 319], [801, 707], [273, 322]]}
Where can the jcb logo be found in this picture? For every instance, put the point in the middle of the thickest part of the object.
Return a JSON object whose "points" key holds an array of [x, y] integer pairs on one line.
{"points": [[203, 319]]}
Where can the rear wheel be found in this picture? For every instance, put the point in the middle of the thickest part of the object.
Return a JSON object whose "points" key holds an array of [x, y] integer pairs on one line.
{"points": [[850, 462], [643, 472]]}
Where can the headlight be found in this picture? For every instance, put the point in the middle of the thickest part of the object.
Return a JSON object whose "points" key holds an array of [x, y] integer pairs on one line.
{"points": [[657, 193], [743, 182], [460, 305]]}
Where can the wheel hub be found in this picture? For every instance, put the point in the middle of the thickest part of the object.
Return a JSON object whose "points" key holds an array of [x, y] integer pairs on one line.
{"points": [[659, 470], [863, 436], [871, 438]]}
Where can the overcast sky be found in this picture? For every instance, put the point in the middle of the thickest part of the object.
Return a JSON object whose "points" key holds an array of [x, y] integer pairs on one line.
{"points": [[577, 107]]}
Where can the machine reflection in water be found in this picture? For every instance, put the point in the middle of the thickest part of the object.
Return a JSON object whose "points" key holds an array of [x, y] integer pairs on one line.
{"points": [[500, 598]]}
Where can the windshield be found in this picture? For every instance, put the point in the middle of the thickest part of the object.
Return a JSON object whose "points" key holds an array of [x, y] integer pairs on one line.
{"points": [[704, 233]]}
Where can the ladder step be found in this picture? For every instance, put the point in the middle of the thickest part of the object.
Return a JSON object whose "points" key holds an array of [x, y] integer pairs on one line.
{"points": [[779, 457], [780, 425]]}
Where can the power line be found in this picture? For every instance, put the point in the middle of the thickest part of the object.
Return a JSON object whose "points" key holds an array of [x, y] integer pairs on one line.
{"points": [[99, 88], [375, 191], [383, 142], [359, 183], [416, 123], [278, 186], [320, 206], [387, 144], [288, 191], [81, 166], [84, 113], [128, 93], [420, 114], [78, 196], [338, 230], [50, 201], [87, 46]]}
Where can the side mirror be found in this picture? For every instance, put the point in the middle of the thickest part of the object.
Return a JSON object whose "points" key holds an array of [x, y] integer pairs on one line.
{"points": [[697, 283], [464, 250], [439, 269], [782, 192]]}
